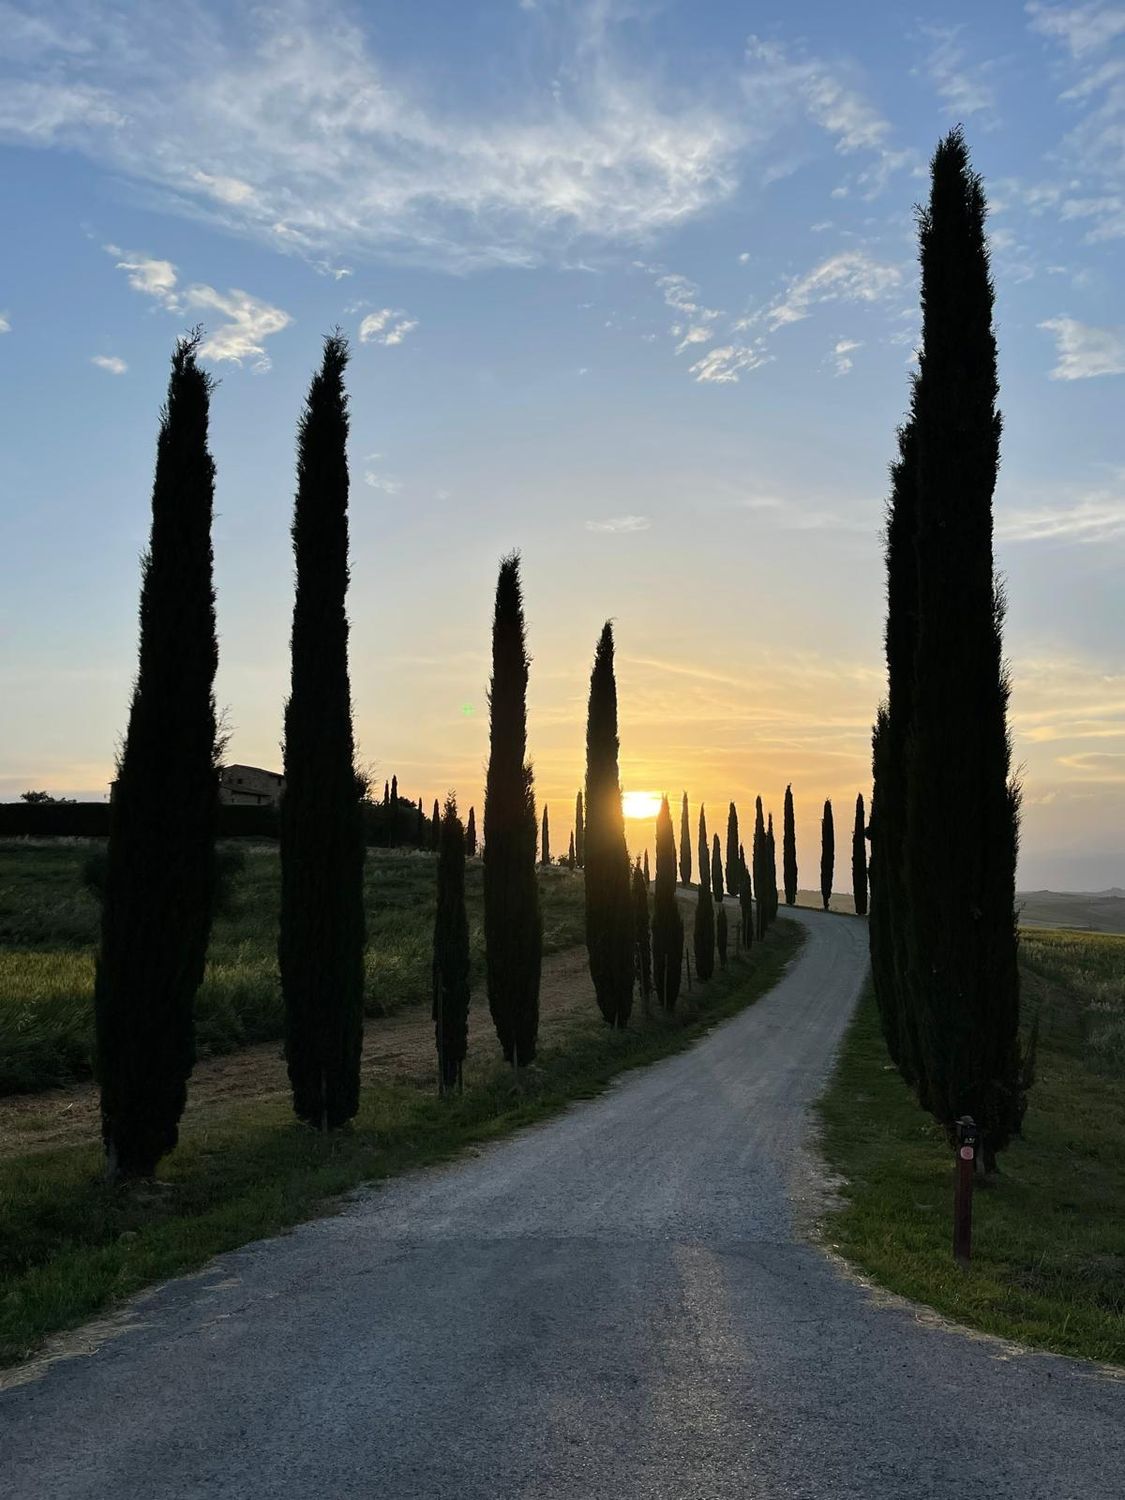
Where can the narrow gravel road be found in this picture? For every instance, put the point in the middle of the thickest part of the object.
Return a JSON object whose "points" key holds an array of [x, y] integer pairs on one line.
{"points": [[615, 1304]]}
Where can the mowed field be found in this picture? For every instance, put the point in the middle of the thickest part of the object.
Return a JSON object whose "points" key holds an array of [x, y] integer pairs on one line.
{"points": [[48, 934]]}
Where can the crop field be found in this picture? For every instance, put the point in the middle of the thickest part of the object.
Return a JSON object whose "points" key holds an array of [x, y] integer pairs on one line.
{"points": [[48, 934]]}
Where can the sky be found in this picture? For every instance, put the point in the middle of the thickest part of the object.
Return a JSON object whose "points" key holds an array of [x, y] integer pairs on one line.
{"points": [[631, 286]]}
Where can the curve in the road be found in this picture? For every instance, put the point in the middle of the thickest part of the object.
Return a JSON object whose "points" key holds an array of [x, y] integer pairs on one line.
{"points": [[617, 1303]]}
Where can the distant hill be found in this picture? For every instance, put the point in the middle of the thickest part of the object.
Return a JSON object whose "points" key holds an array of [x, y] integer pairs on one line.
{"points": [[1091, 911]]}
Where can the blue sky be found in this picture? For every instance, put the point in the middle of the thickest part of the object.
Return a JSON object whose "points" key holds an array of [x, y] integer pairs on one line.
{"points": [[630, 286]]}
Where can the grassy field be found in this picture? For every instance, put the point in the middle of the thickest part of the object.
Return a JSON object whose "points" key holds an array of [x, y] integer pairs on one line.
{"points": [[48, 929], [70, 1246], [1049, 1233]]}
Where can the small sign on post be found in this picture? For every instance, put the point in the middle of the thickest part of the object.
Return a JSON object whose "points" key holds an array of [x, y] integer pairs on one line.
{"points": [[968, 1140]]}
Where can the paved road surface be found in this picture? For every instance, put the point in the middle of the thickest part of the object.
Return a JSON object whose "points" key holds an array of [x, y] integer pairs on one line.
{"points": [[615, 1304]]}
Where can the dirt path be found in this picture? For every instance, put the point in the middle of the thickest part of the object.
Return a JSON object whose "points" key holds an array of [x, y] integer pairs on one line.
{"points": [[398, 1047]]}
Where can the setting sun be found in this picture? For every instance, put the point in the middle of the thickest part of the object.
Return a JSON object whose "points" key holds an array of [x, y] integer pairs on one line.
{"points": [[640, 804]]}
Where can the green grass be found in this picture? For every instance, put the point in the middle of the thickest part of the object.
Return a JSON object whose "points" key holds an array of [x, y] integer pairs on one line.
{"points": [[70, 1245], [1048, 1263], [48, 931]]}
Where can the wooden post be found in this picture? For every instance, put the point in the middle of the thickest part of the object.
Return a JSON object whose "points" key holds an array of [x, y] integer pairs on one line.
{"points": [[968, 1138]]}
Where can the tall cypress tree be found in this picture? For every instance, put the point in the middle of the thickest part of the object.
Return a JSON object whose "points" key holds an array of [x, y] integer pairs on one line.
{"points": [[570, 859], [642, 943], [320, 947], [648, 878], [579, 833], [609, 906], [962, 806], [721, 934], [159, 889], [685, 844], [667, 923], [704, 851], [420, 827], [513, 925], [745, 902], [451, 951], [716, 869], [771, 869], [386, 793], [733, 867], [789, 849], [545, 842], [859, 859], [471, 833], [827, 854], [758, 861], [435, 827]]}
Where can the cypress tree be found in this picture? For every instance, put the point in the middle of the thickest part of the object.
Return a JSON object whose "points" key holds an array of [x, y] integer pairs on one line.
{"points": [[320, 947], [570, 858], [734, 869], [771, 870], [609, 913], [703, 935], [513, 925], [642, 946], [648, 880], [889, 914], [789, 849], [435, 828], [386, 793], [962, 806], [827, 854], [394, 794], [471, 833], [579, 834], [451, 951], [745, 903], [704, 851], [758, 860], [721, 934], [160, 879], [685, 844], [546, 840], [716, 870], [667, 923], [420, 827], [859, 859]]}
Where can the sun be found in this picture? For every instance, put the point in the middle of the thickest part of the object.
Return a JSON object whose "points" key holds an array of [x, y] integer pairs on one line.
{"points": [[640, 804]]}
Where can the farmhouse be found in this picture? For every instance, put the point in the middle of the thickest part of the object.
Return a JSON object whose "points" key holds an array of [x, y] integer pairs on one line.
{"points": [[250, 785]]}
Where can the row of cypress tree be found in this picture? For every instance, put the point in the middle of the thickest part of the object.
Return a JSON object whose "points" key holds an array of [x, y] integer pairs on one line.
{"points": [[945, 813]]}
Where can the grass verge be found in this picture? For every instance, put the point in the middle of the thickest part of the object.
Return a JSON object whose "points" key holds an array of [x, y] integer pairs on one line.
{"points": [[71, 1246], [1048, 1234]]}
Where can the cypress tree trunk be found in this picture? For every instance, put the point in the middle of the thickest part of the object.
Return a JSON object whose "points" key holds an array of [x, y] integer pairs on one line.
{"points": [[716, 870], [513, 925], [159, 890], [703, 935], [320, 947], [642, 946], [758, 860], [471, 833], [789, 849], [685, 844], [827, 854], [579, 833], [667, 923], [962, 807], [859, 859], [435, 827], [733, 867], [451, 951], [704, 851], [721, 933], [546, 840], [889, 915], [609, 907]]}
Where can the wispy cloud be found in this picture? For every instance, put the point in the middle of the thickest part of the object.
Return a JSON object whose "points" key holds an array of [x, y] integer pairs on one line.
{"points": [[842, 355], [388, 325], [382, 482], [1084, 351], [284, 121], [620, 524], [110, 363], [1097, 517], [1083, 28], [249, 320], [850, 276], [5, 323], [724, 365], [962, 85]]}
